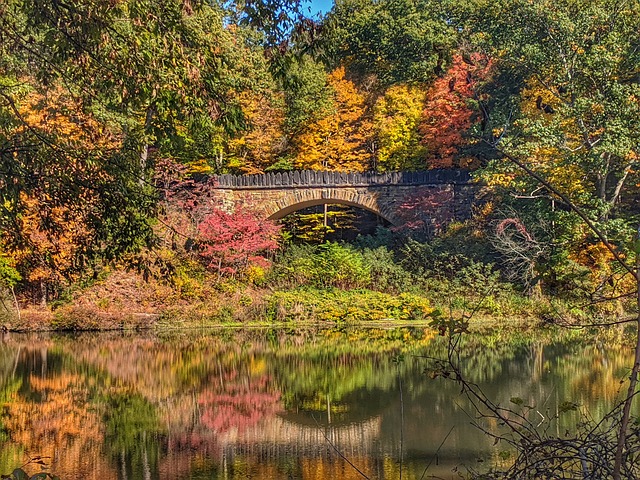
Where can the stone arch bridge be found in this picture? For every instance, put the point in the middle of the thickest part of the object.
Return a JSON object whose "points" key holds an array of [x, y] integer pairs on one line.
{"points": [[432, 196]]}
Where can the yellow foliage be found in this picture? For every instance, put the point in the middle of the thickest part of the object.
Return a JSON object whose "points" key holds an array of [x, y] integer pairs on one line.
{"points": [[500, 179], [200, 166], [396, 117], [339, 140], [605, 280], [553, 162], [259, 146]]}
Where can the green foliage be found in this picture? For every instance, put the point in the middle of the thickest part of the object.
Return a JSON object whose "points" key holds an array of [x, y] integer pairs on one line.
{"points": [[20, 474], [342, 266], [9, 276], [383, 237], [393, 41], [445, 257], [323, 266], [339, 306], [387, 274], [307, 94]]}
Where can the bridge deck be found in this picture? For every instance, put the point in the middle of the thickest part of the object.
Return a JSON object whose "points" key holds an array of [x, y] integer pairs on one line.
{"points": [[315, 178]]}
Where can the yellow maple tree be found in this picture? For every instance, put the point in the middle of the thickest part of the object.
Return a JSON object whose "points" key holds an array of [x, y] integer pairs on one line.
{"points": [[537, 106], [263, 141], [338, 141], [396, 117]]}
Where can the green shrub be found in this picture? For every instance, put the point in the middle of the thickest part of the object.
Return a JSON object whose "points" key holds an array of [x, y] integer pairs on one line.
{"points": [[339, 306], [387, 275], [383, 237], [322, 266]]}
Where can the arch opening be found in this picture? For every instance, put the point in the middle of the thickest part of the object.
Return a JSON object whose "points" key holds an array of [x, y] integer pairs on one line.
{"points": [[294, 207], [320, 221]]}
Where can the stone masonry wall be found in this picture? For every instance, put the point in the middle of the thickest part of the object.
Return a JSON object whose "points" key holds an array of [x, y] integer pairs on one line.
{"points": [[435, 196]]}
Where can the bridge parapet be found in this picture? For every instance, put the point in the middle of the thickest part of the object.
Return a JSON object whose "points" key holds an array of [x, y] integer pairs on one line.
{"points": [[317, 178], [431, 197]]}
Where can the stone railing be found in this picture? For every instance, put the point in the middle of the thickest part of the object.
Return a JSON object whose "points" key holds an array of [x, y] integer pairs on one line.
{"points": [[315, 178]]}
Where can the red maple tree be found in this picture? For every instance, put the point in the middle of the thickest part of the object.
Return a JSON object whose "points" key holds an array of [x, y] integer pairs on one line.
{"points": [[448, 113], [233, 241]]}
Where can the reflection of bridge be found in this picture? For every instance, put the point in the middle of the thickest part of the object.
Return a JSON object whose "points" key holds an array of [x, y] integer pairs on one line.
{"points": [[276, 435], [438, 195]]}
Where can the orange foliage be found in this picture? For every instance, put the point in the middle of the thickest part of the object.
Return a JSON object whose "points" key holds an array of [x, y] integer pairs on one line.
{"points": [[260, 145], [52, 231], [339, 140], [56, 113], [48, 257], [448, 114], [62, 420]]}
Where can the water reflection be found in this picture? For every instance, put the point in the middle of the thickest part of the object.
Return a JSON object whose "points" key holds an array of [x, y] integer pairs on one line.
{"points": [[280, 404]]}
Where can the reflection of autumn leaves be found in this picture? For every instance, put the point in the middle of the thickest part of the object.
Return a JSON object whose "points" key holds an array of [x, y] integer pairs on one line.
{"points": [[59, 416], [62, 421], [598, 371], [239, 402]]}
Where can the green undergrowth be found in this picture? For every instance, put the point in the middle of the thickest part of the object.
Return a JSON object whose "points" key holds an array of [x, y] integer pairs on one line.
{"points": [[345, 306], [334, 283]]}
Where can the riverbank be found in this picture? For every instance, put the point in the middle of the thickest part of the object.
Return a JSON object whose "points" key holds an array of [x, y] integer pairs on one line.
{"points": [[125, 301]]}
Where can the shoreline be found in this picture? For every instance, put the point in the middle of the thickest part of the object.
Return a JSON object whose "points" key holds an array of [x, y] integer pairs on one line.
{"points": [[46, 321]]}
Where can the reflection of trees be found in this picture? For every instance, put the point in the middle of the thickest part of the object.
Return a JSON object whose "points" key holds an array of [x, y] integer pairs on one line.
{"points": [[147, 403], [10, 453], [52, 413], [590, 375], [132, 433], [237, 402]]}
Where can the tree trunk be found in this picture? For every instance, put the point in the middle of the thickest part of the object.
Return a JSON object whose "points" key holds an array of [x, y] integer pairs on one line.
{"points": [[144, 155], [633, 381], [15, 301]]}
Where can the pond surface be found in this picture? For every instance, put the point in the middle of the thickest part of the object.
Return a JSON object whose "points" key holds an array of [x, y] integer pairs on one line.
{"points": [[282, 404]]}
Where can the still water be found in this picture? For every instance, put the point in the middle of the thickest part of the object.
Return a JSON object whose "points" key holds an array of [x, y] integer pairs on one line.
{"points": [[283, 404]]}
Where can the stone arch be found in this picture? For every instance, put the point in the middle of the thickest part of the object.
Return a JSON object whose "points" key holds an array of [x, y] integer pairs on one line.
{"points": [[308, 198]]}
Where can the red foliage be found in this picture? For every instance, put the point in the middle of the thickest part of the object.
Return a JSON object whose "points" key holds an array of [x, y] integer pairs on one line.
{"points": [[226, 241], [448, 115], [229, 241], [517, 224], [240, 404]]}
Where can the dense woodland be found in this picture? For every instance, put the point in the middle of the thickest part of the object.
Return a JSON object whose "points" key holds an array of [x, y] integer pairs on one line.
{"points": [[113, 112]]}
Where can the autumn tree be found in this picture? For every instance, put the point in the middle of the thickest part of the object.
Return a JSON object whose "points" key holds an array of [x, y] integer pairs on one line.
{"points": [[61, 189], [571, 119], [338, 141], [568, 115], [263, 141], [92, 93], [450, 109], [230, 242], [396, 116]]}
